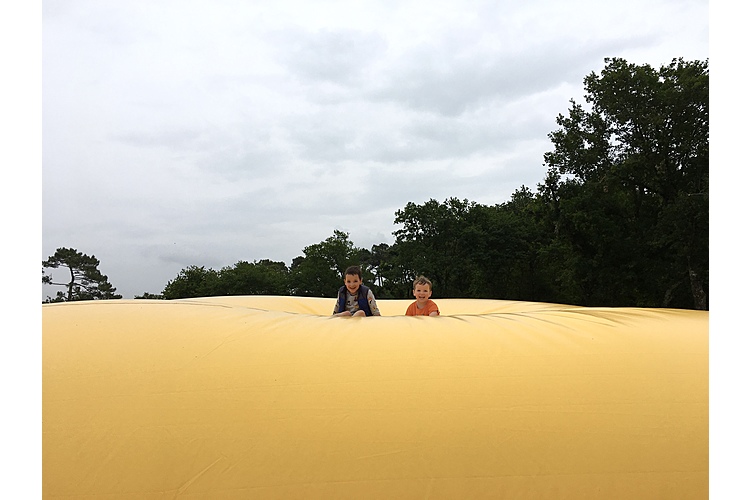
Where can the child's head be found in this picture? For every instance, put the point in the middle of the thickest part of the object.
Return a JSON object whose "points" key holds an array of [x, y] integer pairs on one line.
{"points": [[422, 280], [422, 289], [353, 278]]}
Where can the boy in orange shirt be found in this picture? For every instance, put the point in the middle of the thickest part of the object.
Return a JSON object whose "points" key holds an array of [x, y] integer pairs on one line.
{"points": [[423, 306]]}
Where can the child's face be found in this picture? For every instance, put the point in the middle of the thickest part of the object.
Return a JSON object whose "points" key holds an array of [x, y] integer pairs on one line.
{"points": [[352, 282], [422, 293]]}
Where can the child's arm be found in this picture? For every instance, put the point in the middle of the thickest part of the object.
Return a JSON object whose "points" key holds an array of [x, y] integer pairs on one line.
{"points": [[373, 305], [436, 311]]}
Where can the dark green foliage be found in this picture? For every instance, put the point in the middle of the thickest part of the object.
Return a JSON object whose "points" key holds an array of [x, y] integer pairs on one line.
{"points": [[628, 187], [264, 277], [320, 272], [86, 281], [430, 243], [470, 250], [193, 281], [244, 278]]}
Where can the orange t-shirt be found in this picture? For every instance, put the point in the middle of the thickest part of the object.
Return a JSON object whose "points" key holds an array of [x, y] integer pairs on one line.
{"points": [[413, 310]]}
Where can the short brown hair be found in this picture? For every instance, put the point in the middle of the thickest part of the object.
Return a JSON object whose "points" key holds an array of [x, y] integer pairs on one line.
{"points": [[421, 280], [353, 270]]}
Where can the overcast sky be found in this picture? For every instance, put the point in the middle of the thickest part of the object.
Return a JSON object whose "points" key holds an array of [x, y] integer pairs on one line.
{"points": [[180, 133]]}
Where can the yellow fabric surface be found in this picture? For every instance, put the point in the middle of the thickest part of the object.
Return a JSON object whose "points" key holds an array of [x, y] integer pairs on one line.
{"points": [[270, 397]]}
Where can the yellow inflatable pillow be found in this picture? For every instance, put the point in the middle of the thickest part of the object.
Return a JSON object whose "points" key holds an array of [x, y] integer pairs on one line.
{"points": [[271, 397]]}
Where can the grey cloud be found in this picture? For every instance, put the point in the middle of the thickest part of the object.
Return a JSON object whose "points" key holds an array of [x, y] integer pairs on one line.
{"points": [[340, 57], [445, 81], [390, 135]]}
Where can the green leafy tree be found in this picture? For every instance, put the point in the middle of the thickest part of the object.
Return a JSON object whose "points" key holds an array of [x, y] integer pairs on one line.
{"points": [[86, 282], [506, 248], [319, 273], [193, 281], [387, 276], [431, 243], [395, 271], [264, 277], [627, 188], [469, 249]]}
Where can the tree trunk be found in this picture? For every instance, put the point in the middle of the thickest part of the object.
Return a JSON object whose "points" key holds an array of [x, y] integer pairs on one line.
{"points": [[696, 284], [668, 294], [70, 285]]}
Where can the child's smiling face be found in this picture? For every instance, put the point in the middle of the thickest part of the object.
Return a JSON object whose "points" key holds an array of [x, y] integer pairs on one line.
{"points": [[352, 282], [422, 293]]}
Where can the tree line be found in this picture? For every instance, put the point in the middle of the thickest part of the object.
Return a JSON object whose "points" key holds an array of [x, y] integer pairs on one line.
{"points": [[620, 219]]}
